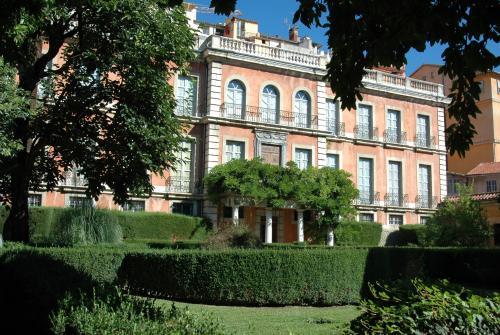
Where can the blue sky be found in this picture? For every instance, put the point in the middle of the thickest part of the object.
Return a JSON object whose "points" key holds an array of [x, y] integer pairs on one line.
{"points": [[275, 16]]}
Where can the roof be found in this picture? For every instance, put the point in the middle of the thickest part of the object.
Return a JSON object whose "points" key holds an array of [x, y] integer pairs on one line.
{"points": [[479, 196], [485, 168], [426, 64]]}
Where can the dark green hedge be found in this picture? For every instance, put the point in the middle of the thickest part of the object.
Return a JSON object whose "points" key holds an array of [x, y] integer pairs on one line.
{"points": [[244, 277], [412, 234], [350, 233], [137, 226]]}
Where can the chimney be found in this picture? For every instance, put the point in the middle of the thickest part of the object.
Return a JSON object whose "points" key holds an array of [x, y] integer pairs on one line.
{"points": [[231, 29], [293, 34]]}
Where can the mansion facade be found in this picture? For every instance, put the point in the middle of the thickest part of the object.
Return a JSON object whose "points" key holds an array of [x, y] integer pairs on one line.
{"points": [[250, 95]]}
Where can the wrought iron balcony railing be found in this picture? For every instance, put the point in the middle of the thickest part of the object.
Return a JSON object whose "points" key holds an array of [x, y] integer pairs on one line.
{"points": [[368, 198], [363, 132], [335, 128], [425, 201], [396, 200], [394, 136], [423, 140], [269, 116], [179, 185]]}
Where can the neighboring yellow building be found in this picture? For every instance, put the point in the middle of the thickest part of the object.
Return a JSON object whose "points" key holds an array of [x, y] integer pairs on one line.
{"points": [[486, 147]]}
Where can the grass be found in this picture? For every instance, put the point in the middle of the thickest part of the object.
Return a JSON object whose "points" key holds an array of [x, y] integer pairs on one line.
{"points": [[278, 320]]}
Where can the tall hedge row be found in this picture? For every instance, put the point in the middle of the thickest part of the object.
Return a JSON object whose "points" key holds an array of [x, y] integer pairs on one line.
{"points": [[349, 233], [136, 225], [243, 277]]}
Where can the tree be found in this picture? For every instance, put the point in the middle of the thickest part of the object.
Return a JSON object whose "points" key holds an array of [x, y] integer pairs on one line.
{"points": [[103, 102], [459, 222], [326, 191], [363, 34]]}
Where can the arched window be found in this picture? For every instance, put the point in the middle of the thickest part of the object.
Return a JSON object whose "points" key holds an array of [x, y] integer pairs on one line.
{"points": [[270, 104], [302, 109], [235, 100]]}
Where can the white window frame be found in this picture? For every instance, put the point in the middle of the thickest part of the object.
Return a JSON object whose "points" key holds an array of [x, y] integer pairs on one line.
{"points": [[231, 144], [395, 215], [491, 185], [331, 154]]}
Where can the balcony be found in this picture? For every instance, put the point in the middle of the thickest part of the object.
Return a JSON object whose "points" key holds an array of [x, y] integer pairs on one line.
{"points": [[362, 132], [396, 200], [425, 141], [268, 116], [238, 46], [407, 84], [335, 128], [392, 136], [425, 202], [179, 185], [368, 198]]}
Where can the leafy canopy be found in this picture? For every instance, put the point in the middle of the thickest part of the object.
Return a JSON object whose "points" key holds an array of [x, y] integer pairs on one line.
{"points": [[104, 104], [459, 222], [327, 191], [367, 33]]}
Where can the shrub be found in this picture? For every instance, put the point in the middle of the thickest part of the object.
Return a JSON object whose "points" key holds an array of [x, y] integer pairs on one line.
{"points": [[358, 233], [136, 226], [231, 236], [412, 234], [122, 314], [427, 308], [459, 222], [162, 226], [83, 226]]}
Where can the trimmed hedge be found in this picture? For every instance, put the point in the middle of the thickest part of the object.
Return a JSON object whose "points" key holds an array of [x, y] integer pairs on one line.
{"points": [[137, 226], [350, 233], [244, 277], [412, 234]]}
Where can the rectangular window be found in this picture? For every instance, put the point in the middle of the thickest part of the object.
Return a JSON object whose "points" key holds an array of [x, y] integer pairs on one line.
{"points": [[365, 122], [498, 86], [34, 200], [80, 202], [396, 219], [185, 208], [332, 160], [235, 150], [365, 180], [180, 177], [186, 96], [481, 86], [134, 206], [332, 109], [366, 217], [303, 158], [491, 186], [423, 131], [394, 183], [228, 212], [393, 125], [424, 219], [424, 186]]}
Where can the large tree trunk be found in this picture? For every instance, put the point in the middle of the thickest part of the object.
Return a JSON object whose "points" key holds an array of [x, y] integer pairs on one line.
{"points": [[16, 227]]}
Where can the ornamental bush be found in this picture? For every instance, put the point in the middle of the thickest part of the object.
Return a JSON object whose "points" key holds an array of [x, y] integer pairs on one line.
{"points": [[459, 222], [418, 307], [120, 314], [352, 233], [412, 234]]}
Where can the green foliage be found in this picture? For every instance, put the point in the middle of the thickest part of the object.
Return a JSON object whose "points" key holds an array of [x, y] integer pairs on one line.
{"points": [[232, 236], [327, 191], [417, 307], [83, 226], [122, 314], [117, 55], [412, 234], [459, 222], [160, 226], [12, 106], [49, 224], [358, 233]]}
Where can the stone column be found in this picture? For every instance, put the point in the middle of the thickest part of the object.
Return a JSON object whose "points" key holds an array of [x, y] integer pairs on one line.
{"points": [[236, 213], [269, 225], [329, 238], [300, 225]]}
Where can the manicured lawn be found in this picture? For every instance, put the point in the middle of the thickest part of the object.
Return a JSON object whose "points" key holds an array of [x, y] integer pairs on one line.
{"points": [[278, 320]]}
